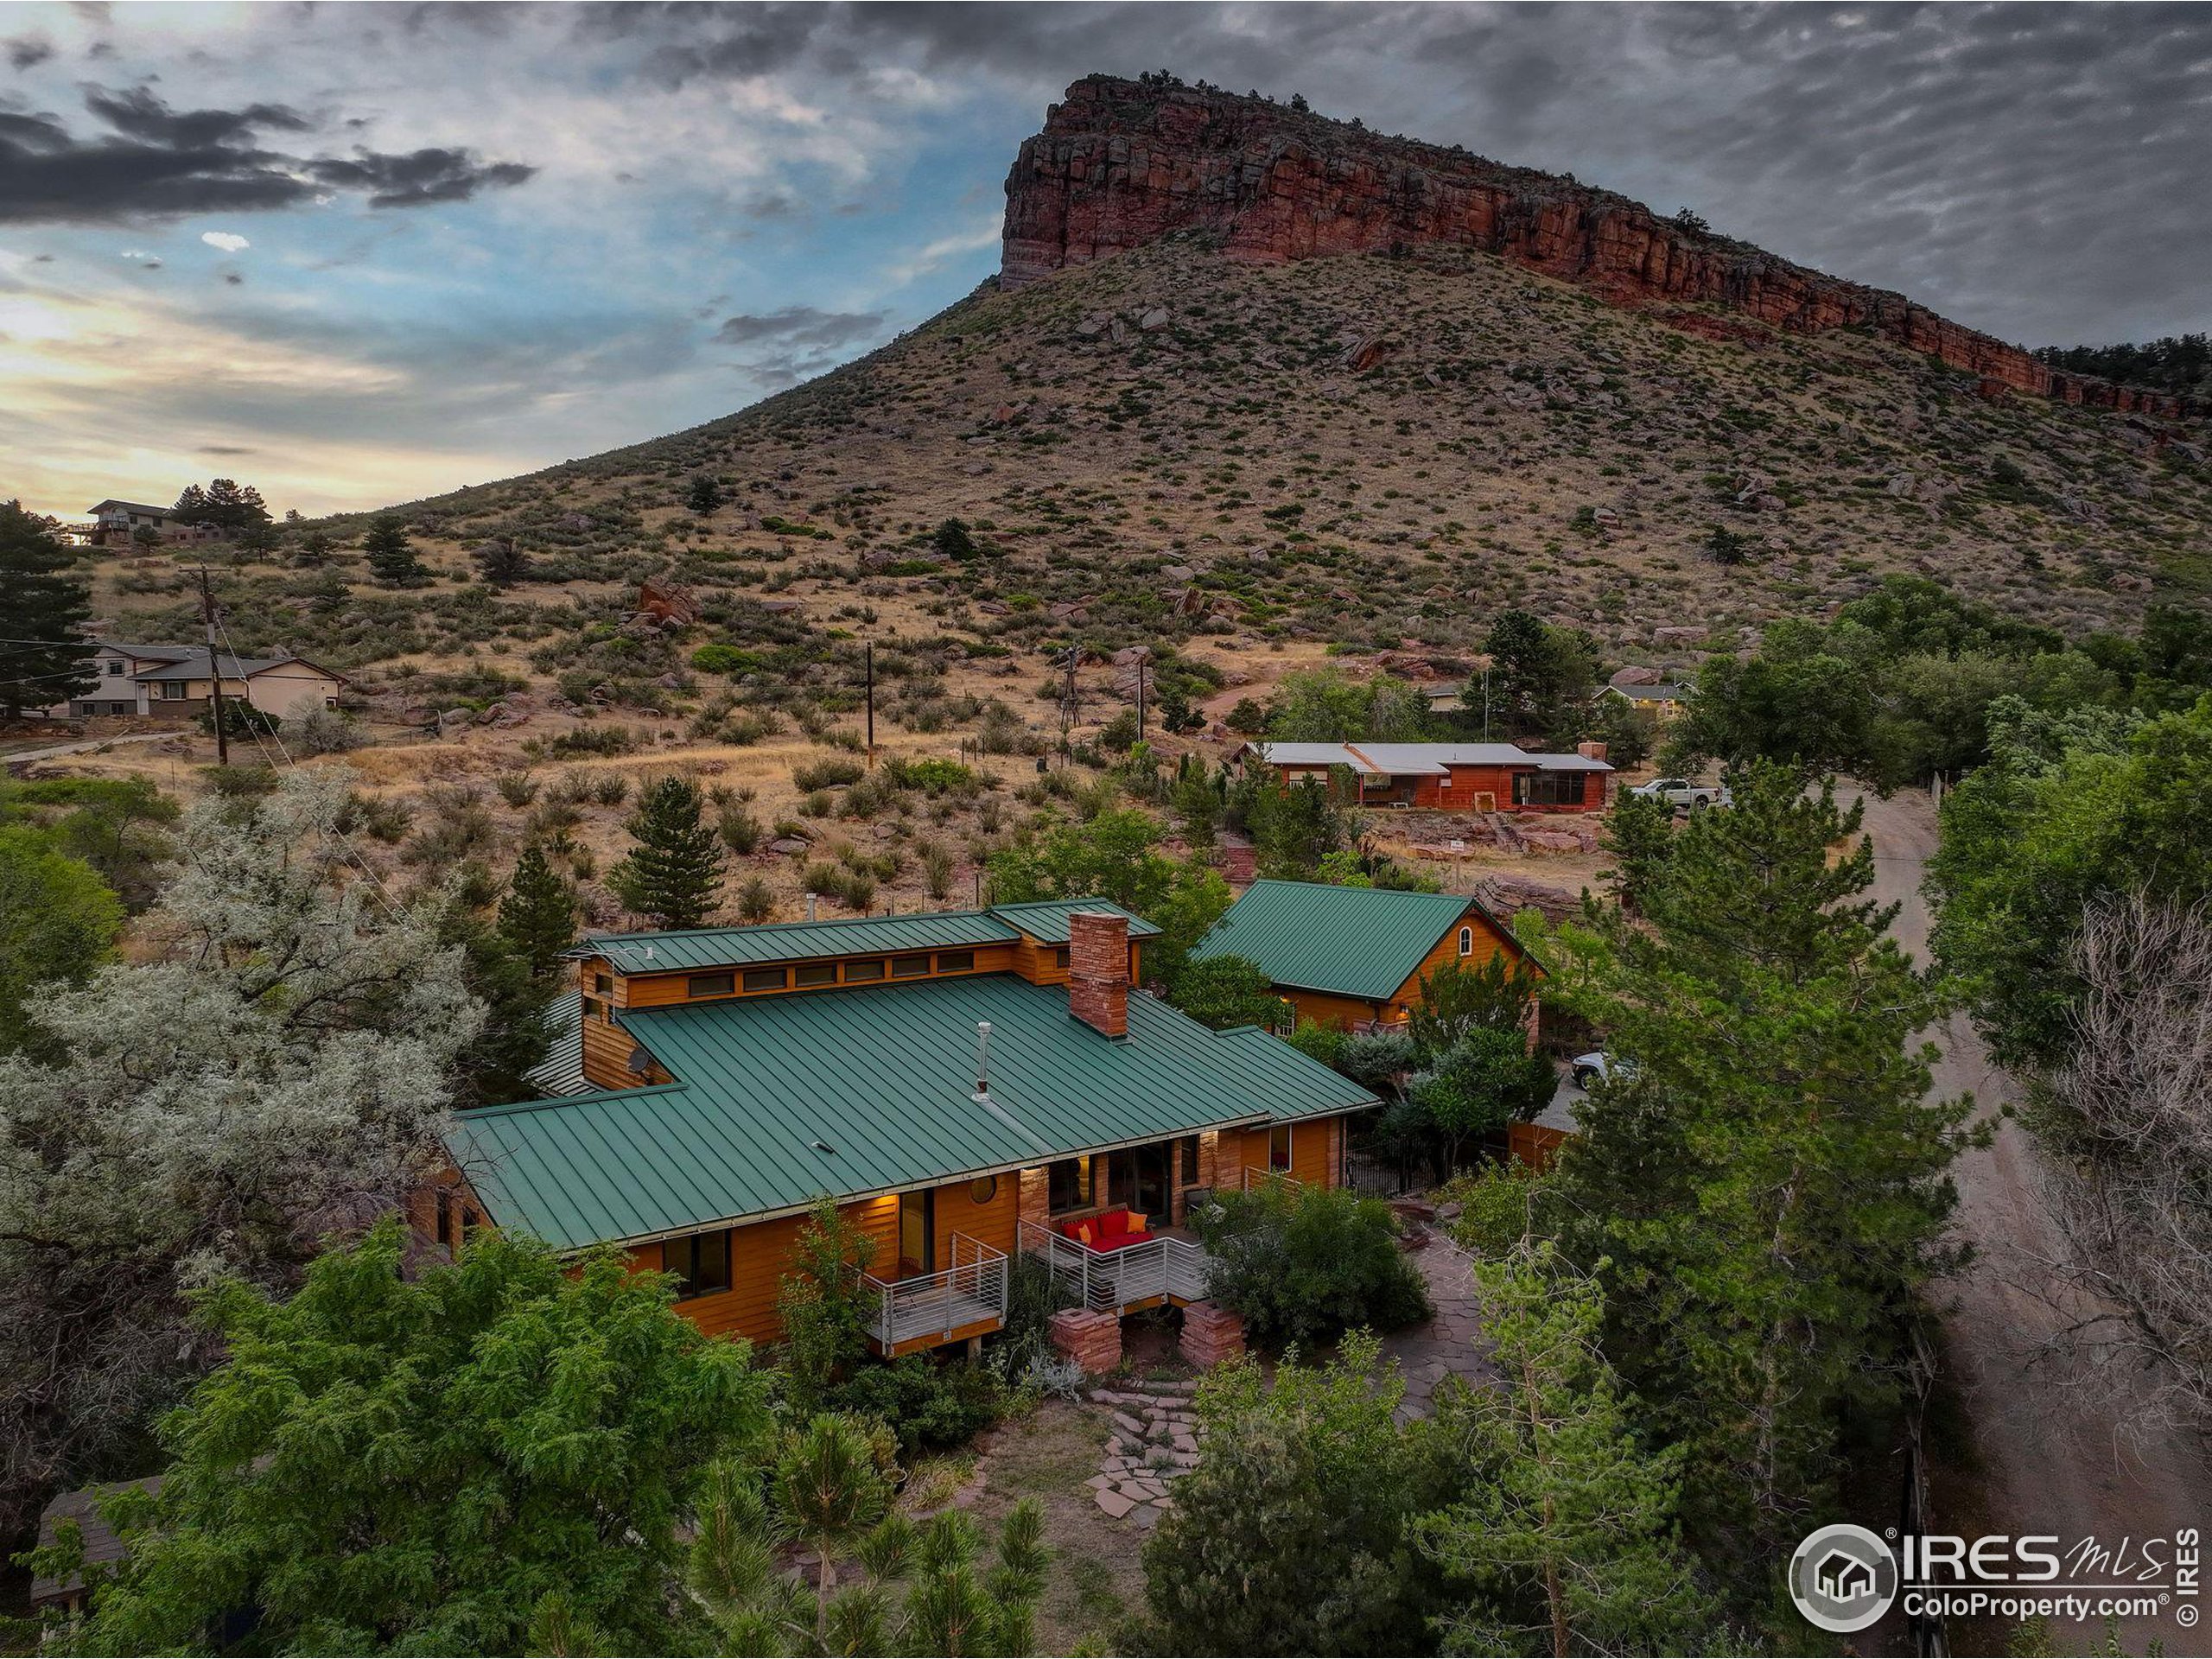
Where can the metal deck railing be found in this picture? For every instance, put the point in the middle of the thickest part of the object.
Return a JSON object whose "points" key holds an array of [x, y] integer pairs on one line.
{"points": [[969, 1293], [1111, 1282]]}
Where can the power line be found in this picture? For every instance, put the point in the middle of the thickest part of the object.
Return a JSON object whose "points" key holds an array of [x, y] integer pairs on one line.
{"points": [[352, 854]]}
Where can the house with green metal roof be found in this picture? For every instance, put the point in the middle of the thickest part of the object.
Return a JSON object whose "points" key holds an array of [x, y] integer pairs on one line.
{"points": [[966, 1086], [1355, 957]]}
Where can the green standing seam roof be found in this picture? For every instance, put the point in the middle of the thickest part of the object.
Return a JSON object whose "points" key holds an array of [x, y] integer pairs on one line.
{"points": [[740, 947], [1045, 921], [855, 1092], [1363, 942]]}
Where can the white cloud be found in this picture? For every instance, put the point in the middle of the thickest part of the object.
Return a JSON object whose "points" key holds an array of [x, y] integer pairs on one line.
{"points": [[228, 241]]}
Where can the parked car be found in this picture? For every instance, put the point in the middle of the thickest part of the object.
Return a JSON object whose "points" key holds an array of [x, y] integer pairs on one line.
{"points": [[1681, 791], [1598, 1066]]}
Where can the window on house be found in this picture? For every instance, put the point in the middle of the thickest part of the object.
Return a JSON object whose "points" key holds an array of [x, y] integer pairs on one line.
{"points": [[1070, 1186], [1278, 1147], [603, 983], [445, 1216], [955, 961], [711, 984], [1060, 956], [858, 972], [594, 1009], [114, 668], [1466, 941], [817, 972], [1548, 788], [700, 1262], [909, 967], [764, 979], [1186, 1160]]}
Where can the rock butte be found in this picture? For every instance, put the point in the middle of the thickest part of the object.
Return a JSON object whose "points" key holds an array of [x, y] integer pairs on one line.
{"points": [[1120, 164]]}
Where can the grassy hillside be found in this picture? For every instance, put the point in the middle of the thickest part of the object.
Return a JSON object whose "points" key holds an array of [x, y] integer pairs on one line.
{"points": [[1244, 467]]}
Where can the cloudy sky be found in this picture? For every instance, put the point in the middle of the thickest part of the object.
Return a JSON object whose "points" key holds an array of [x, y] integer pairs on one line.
{"points": [[360, 253]]}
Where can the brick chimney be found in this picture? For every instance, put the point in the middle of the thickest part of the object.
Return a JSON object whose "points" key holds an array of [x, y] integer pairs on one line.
{"points": [[1592, 751], [1098, 971]]}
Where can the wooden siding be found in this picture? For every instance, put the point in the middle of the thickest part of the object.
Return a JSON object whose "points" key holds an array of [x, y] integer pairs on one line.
{"points": [[1535, 1144], [607, 1049], [1461, 788], [759, 1257], [991, 1224], [1326, 1008], [667, 990], [1316, 1152]]}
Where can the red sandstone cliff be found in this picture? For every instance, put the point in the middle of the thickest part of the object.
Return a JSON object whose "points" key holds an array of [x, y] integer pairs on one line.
{"points": [[1120, 164]]}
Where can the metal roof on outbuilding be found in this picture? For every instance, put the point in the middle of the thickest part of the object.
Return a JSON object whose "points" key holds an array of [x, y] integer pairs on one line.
{"points": [[1361, 942], [855, 1092]]}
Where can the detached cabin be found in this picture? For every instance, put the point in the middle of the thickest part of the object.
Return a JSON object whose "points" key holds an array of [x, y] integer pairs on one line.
{"points": [[966, 1085], [1480, 777], [1354, 958]]}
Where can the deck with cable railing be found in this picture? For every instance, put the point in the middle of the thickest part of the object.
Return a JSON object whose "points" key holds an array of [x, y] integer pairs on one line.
{"points": [[1163, 1268], [960, 1302]]}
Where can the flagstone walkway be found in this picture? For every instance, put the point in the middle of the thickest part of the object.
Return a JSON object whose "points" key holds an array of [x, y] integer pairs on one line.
{"points": [[1450, 1345]]}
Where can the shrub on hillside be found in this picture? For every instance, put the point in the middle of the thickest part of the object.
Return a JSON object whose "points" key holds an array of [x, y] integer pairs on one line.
{"points": [[1306, 1265]]}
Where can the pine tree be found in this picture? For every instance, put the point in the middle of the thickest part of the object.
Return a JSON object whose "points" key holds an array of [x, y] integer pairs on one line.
{"points": [[502, 562], [45, 661], [1771, 1184], [674, 873], [1571, 1531], [705, 495], [538, 915], [391, 556], [953, 541]]}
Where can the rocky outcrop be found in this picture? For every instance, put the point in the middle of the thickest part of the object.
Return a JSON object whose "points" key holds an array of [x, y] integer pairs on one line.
{"points": [[1120, 164]]}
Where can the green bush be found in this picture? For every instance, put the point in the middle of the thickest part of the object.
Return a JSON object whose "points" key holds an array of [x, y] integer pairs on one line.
{"points": [[929, 1406], [718, 658], [1307, 1265], [828, 772], [933, 777]]}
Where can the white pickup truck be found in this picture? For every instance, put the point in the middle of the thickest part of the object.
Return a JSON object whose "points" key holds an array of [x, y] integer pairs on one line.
{"points": [[1681, 791]]}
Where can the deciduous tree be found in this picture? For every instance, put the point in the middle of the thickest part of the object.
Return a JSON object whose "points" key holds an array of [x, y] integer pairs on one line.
{"points": [[279, 1073], [57, 922], [467, 1460]]}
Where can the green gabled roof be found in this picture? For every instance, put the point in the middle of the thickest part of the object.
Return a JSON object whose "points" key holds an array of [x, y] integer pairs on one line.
{"points": [[884, 1077], [1363, 942], [1045, 921], [743, 947]]}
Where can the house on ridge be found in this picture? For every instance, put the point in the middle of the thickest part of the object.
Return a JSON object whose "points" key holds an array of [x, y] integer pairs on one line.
{"points": [[966, 1085], [1354, 958], [1480, 777]]}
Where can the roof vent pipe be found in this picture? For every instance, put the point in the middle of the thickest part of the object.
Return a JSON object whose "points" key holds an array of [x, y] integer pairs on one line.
{"points": [[810, 906], [982, 1059]]}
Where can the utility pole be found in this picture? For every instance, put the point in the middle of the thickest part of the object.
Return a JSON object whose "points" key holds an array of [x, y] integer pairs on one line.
{"points": [[1485, 705], [1142, 666], [1069, 708], [871, 703], [214, 672]]}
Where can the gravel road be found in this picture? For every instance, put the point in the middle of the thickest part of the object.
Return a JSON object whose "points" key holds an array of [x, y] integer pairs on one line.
{"points": [[2055, 1459]]}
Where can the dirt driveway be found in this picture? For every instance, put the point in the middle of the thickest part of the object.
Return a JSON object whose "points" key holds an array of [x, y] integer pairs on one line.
{"points": [[2052, 1459]]}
